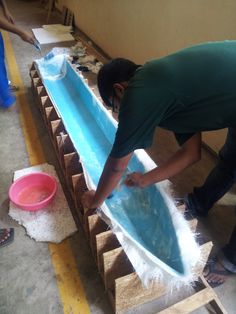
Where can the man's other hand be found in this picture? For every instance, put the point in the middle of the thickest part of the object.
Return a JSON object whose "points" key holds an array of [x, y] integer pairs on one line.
{"points": [[134, 179]]}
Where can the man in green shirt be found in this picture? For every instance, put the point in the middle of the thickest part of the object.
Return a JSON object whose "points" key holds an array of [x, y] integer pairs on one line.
{"points": [[190, 91]]}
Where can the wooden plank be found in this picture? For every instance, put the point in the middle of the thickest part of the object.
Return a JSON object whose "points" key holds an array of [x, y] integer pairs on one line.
{"points": [[77, 192], [111, 298], [50, 8], [215, 303], [34, 74], [205, 252], [50, 114], [76, 181], [191, 303], [32, 67], [46, 102], [115, 265], [135, 294], [72, 167], [62, 148], [41, 91], [64, 143], [37, 82], [105, 241], [95, 225], [72, 160], [69, 17], [79, 187], [56, 128], [129, 292]]}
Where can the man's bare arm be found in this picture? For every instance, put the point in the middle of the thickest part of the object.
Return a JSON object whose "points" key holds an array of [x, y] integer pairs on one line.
{"points": [[109, 179], [187, 155]]}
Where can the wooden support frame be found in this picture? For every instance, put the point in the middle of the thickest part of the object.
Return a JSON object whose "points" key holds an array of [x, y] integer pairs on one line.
{"points": [[129, 293], [79, 187], [122, 284], [50, 114], [204, 297], [37, 82], [41, 91], [95, 226], [104, 241]]}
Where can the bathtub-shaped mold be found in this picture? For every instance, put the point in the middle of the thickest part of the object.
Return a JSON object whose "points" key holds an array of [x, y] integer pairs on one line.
{"points": [[153, 234]]}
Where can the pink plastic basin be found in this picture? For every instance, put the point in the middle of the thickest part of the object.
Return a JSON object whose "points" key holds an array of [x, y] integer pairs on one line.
{"points": [[33, 191]]}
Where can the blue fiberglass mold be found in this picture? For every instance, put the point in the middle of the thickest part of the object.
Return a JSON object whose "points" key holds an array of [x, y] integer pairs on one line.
{"points": [[142, 214]]}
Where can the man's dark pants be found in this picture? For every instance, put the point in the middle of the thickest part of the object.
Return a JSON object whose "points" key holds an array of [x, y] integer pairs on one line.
{"points": [[218, 183]]}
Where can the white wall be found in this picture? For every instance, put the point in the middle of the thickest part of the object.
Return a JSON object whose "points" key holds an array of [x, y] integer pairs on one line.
{"points": [[144, 29]]}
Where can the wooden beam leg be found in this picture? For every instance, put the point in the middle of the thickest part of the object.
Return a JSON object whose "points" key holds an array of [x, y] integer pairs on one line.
{"points": [[50, 7]]}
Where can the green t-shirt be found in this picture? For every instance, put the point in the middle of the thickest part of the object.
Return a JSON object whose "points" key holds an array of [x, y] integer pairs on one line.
{"points": [[190, 91]]}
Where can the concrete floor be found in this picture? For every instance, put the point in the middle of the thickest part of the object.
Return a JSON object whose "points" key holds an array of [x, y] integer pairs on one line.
{"points": [[28, 283]]}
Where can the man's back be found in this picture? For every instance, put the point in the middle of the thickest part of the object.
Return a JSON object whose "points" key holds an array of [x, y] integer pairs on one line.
{"points": [[186, 92]]}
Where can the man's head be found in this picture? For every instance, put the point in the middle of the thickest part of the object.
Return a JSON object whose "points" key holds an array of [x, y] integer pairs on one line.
{"points": [[113, 78]]}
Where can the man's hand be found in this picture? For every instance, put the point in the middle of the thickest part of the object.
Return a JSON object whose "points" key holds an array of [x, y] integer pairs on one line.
{"points": [[87, 202], [9, 17], [6, 12], [188, 154], [28, 37], [135, 179]]}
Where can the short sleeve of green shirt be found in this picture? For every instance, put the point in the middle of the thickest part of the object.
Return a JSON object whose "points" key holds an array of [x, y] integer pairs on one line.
{"points": [[135, 129]]}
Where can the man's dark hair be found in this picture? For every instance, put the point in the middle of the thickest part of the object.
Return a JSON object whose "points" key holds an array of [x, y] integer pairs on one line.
{"points": [[116, 71]]}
